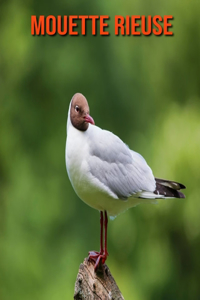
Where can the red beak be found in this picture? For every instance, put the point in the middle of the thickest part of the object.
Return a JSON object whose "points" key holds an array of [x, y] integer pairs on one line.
{"points": [[89, 119]]}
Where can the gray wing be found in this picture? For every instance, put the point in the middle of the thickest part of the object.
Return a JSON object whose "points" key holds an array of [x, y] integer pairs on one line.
{"points": [[123, 171]]}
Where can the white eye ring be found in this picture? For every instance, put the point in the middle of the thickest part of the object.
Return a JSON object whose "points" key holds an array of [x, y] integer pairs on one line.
{"points": [[77, 108]]}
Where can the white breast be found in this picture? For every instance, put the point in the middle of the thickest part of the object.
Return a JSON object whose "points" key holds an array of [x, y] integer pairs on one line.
{"points": [[87, 187]]}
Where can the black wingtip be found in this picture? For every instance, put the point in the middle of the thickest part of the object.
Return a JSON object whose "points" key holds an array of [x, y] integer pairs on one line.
{"points": [[168, 191], [182, 186], [181, 195], [172, 184]]}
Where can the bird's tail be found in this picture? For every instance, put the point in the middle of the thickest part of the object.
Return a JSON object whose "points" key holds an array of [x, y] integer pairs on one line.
{"points": [[168, 189]]}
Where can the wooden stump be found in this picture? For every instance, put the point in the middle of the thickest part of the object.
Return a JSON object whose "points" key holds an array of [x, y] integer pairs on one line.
{"points": [[95, 285]]}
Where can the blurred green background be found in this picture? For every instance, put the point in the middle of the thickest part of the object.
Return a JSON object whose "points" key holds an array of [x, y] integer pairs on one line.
{"points": [[144, 89]]}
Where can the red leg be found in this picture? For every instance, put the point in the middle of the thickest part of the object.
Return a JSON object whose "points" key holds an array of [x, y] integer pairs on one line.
{"points": [[105, 237], [100, 257], [94, 255], [101, 233]]}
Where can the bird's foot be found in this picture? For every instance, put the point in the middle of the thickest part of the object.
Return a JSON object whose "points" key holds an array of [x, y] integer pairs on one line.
{"points": [[98, 257]]}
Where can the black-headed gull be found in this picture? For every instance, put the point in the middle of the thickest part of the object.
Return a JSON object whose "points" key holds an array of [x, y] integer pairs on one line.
{"points": [[105, 173]]}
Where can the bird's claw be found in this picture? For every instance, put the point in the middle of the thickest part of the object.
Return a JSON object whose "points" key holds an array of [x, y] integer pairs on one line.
{"points": [[98, 257]]}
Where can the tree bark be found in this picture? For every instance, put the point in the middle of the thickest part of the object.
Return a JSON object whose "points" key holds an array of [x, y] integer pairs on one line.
{"points": [[91, 285]]}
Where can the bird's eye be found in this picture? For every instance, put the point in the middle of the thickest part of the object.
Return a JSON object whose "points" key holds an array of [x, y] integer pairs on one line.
{"points": [[77, 108]]}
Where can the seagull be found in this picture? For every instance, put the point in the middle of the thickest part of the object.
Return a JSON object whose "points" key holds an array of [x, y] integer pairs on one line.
{"points": [[106, 174]]}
